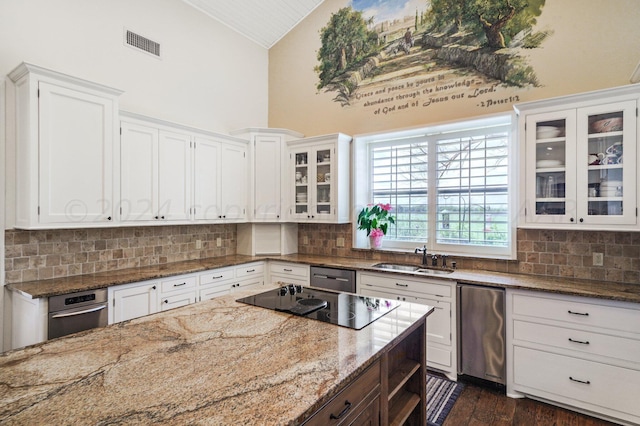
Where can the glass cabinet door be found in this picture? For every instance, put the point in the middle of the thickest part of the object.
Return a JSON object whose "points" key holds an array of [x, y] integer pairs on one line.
{"points": [[606, 182], [301, 177], [551, 154], [323, 182]]}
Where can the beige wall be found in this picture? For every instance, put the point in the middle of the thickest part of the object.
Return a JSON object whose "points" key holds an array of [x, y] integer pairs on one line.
{"points": [[595, 45], [209, 76]]}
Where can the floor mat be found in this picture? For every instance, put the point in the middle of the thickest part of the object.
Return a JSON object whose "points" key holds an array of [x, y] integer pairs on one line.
{"points": [[441, 395]]}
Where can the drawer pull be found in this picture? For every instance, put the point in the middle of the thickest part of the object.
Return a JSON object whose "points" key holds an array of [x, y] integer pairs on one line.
{"points": [[250, 270], [402, 285], [343, 412], [585, 314], [582, 342], [180, 285], [217, 277], [288, 270], [584, 382]]}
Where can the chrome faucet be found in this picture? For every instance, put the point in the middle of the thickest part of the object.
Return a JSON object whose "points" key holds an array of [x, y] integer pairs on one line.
{"points": [[422, 250]]}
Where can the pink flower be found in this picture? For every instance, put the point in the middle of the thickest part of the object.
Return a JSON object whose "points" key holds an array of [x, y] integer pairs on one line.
{"points": [[376, 233], [386, 207]]}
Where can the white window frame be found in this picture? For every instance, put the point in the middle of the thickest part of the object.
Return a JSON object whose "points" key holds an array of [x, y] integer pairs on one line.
{"points": [[362, 185]]}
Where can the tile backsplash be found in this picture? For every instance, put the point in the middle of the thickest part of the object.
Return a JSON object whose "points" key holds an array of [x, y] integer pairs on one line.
{"points": [[539, 252], [38, 255]]}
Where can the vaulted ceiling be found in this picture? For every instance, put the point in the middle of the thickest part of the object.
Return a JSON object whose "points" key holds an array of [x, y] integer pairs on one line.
{"points": [[263, 21]]}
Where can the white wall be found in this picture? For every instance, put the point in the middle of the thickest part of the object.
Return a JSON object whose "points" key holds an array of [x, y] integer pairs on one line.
{"points": [[209, 77]]}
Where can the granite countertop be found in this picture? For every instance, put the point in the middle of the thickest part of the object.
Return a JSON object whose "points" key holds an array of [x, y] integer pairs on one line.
{"points": [[214, 362], [560, 285]]}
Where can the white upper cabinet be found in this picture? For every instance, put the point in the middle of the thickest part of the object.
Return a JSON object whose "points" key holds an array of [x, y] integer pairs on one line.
{"points": [[155, 170], [220, 179], [65, 150], [139, 172], [580, 160], [206, 181], [267, 184], [318, 179], [174, 176]]}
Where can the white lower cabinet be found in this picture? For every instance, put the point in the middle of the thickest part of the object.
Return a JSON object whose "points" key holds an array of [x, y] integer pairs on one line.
{"points": [[441, 341], [578, 352], [129, 301], [289, 273], [177, 292], [218, 282]]}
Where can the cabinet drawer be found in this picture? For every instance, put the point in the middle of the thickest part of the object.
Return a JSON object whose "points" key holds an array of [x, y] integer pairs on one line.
{"points": [[216, 276], [396, 282], [286, 269], [178, 284], [582, 313], [584, 342], [175, 301], [250, 269], [577, 382], [214, 291], [354, 395], [438, 356]]}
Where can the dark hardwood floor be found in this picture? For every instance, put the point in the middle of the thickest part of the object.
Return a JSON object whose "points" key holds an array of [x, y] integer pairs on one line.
{"points": [[478, 405]]}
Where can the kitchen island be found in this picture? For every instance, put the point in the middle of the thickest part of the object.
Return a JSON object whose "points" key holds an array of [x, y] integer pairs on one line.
{"points": [[218, 362]]}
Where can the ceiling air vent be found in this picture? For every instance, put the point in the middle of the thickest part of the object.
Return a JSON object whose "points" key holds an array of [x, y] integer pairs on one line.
{"points": [[140, 42]]}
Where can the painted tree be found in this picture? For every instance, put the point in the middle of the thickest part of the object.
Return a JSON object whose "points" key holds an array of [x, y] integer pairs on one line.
{"points": [[346, 41], [498, 20]]}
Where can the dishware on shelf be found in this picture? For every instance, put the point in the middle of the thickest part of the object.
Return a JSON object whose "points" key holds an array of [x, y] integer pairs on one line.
{"points": [[595, 159], [545, 164], [551, 190], [615, 149], [606, 125], [546, 132], [320, 177], [327, 177], [609, 159]]}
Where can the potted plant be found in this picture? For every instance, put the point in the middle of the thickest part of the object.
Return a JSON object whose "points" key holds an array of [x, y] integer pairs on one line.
{"points": [[375, 219]]}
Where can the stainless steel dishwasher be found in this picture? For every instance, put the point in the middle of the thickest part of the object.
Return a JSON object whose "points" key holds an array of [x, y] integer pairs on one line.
{"points": [[333, 279], [481, 332]]}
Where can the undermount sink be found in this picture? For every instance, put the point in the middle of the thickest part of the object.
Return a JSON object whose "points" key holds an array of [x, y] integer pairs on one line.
{"points": [[396, 267], [411, 268], [434, 271]]}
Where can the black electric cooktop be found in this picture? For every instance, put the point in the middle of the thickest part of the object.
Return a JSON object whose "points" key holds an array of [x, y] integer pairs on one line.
{"points": [[344, 309]]}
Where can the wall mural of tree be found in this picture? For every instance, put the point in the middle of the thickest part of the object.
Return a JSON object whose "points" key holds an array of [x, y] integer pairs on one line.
{"points": [[373, 47]]}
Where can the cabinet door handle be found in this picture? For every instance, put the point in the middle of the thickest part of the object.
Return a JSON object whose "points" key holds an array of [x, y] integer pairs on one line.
{"points": [[402, 285], [347, 407], [584, 382], [582, 342], [166, 300], [180, 285], [153, 288], [109, 218], [585, 314]]}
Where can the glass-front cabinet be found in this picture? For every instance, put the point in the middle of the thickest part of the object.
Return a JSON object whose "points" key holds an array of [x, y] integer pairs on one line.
{"points": [[319, 178], [580, 163]]}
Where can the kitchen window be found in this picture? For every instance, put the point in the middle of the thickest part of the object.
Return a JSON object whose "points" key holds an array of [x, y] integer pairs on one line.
{"points": [[449, 186]]}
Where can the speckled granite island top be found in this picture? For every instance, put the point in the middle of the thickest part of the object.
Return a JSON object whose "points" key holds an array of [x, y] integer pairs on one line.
{"points": [[216, 362], [561, 285]]}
